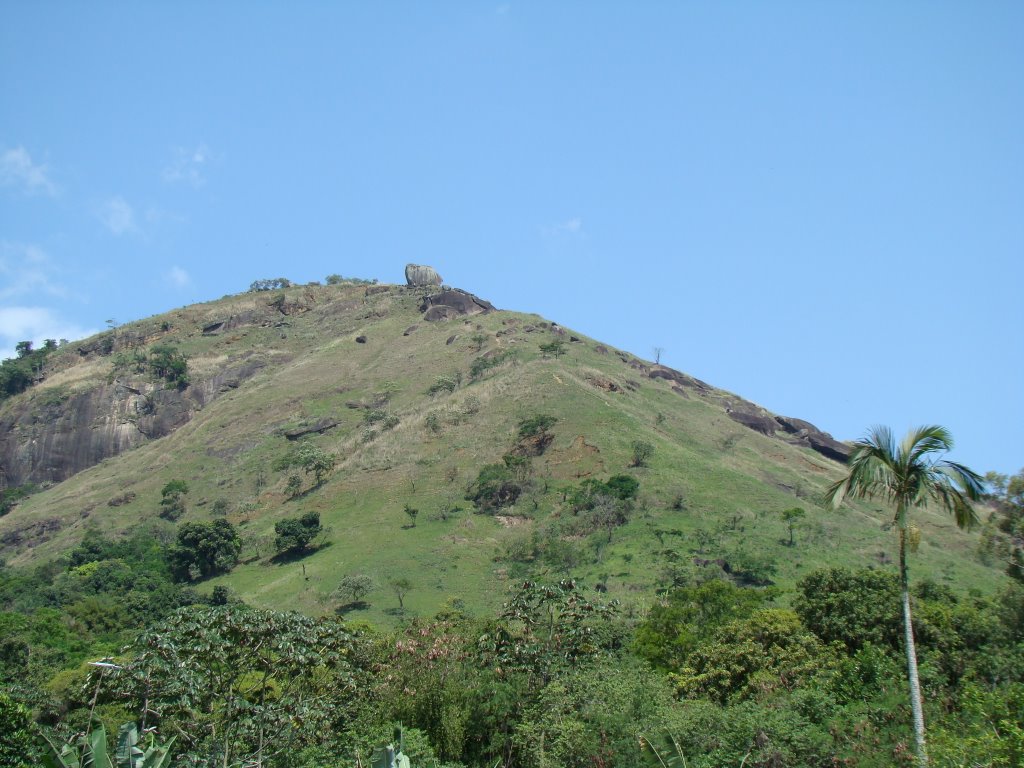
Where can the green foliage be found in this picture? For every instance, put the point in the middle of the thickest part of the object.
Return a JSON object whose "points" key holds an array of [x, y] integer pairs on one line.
{"points": [[792, 517], [169, 364], [401, 586], [9, 497], [536, 425], [411, 513], [241, 685], [311, 459], [640, 453], [19, 373], [444, 384], [294, 535], [271, 284], [354, 587], [482, 364], [163, 361], [90, 750], [335, 279], [555, 348], [753, 658], [17, 738], [172, 501], [495, 487], [203, 550], [690, 616], [853, 608], [544, 627]]}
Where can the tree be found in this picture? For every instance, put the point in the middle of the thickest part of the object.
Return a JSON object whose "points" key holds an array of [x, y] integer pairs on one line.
{"points": [[316, 461], [401, 586], [205, 550], [354, 587], [909, 476], [412, 512], [658, 352], [294, 535], [555, 348], [791, 517], [172, 504], [242, 686]]}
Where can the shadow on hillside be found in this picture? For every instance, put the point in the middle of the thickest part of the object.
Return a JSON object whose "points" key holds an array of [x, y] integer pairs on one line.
{"points": [[355, 605], [292, 556]]}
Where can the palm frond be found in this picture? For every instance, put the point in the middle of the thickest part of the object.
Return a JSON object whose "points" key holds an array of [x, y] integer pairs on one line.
{"points": [[922, 441]]}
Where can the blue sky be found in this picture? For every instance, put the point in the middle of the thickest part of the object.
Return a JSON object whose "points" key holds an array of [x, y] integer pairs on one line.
{"points": [[818, 206]]}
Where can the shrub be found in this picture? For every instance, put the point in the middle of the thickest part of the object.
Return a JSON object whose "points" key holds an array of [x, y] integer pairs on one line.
{"points": [[495, 487], [641, 453], [273, 284]]}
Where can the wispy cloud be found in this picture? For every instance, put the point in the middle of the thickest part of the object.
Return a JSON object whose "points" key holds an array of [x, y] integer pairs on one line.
{"points": [[177, 276], [26, 269], [18, 170], [503, 9], [569, 228], [117, 216], [188, 166], [35, 324]]}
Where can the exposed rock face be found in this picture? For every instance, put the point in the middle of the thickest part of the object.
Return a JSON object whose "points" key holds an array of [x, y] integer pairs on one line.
{"points": [[822, 442], [756, 418], [419, 275], [454, 303], [681, 379], [51, 442], [750, 416]]}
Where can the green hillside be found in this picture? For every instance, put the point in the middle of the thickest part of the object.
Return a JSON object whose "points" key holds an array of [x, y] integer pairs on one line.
{"points": [[713, 489]]}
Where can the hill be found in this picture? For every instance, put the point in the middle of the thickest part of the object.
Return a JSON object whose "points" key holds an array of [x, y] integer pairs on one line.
{"points": [[415, 391]]}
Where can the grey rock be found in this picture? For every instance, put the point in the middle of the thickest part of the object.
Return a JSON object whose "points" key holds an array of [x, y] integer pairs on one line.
{"points": [[419, 275], [454, 303]]}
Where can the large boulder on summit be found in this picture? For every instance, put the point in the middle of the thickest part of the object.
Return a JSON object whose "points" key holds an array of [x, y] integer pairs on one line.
{"points": [[418, 275], [453, 303]]}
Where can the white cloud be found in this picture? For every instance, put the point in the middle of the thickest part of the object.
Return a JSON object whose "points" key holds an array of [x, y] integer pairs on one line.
{"points": [[188, 166], [35, 324], [25, 269], [178, 276], [118, 216], [573, 225], [18, 170]]}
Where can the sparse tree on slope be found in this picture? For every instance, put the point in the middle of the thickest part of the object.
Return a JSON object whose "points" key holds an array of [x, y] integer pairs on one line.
{"points": [[909, 476]]}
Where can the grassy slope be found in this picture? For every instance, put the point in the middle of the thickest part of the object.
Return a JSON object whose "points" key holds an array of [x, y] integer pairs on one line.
{"points": [[724, 471]]}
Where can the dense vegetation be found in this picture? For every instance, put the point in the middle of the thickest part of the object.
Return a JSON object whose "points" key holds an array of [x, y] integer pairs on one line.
{"points": [[722, 674]]}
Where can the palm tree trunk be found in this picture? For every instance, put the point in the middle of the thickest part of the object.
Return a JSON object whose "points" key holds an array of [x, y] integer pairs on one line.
{"points": [[908, 641]]}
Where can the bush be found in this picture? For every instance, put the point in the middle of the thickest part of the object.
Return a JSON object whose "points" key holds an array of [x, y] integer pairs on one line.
{"points": [[495, 487], [273, 284], [444, 384]]}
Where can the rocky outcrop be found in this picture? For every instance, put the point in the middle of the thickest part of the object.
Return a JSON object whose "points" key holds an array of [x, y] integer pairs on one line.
{"points": [[752, 417], [44, 441], [453, 303], [808, 434], [417, 275], [678, 378]]}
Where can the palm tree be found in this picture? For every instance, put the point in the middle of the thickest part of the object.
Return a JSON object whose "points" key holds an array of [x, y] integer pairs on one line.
{"points": [[908, 476]]}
